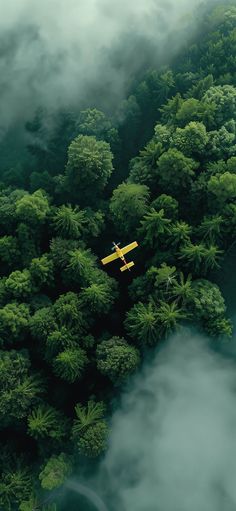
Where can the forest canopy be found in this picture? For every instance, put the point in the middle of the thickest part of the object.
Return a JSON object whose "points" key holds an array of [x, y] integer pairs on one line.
{"points": [[73, 333]]}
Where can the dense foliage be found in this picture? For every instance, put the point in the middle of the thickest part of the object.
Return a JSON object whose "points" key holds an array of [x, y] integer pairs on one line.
{"points": [[71, 332]]}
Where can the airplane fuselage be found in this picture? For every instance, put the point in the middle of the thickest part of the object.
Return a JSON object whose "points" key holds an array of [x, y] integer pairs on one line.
{"points": [[120, 253]]}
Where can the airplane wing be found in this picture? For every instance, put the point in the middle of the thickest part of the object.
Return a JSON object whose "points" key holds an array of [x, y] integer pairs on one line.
{"points": [[129, 247], [110, 258]]}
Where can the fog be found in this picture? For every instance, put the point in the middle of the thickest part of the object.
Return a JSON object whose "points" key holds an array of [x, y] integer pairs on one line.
{"points": [[173, 439], [63, 54]]}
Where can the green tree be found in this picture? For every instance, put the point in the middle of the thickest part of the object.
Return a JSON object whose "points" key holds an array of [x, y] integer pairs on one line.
{"points": [[171, 108], [142, 286], [68, 313], [41, 180], [153, 226], [221, 328], [192, 139], [182, 290], [214, 168], [193, 256], [68, 222], [175, 171], [8, 217], [45, 421], [81, 266], [163, 134], [41, 271], [89, 165], [198, 90], [229, 213], [3, 293], [87, 416], [94, 122], [168, 203], [223, 187], [221, 143], [224, 100], [212, 257], [70, 364], [28, 242], [168, 317], [93, 442], [55, 471], [59, 340], [90, 430], [9, 251], [207, 304], [42, 323], [151, 153], [141, 172], [98, 297], [19, 284], [180, 234], [231, 165], [18, 388], [142, 325], [163, 278], [15, 485], [60, 250], [14, 320], [210, 228], [128, 205], [93, 224], [30, 504], [165, 83], [117, 359], [33, 504], [201, 257], [32, 209], [194, 110]]}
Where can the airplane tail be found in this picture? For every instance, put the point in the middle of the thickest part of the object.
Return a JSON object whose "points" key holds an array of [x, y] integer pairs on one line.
{"points": [[127, 266]]}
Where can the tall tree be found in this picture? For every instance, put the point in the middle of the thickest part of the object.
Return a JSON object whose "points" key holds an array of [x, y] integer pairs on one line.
{"points": [[168, 316], [192, 139], [90, 430], [46, 421], [117, 359], [182, 290], [153, 226], [175, 171], [56, 470], [18, 388], [68, 222], [70, 364], [14, 321], [142, 325], [128, 205], [32, 209], [89, 167]]}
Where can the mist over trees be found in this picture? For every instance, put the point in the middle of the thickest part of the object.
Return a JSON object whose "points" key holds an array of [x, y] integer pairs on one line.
{"points": [[161, 171]]}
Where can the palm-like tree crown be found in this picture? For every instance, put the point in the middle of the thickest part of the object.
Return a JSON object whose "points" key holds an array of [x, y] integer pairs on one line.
{"points": [[88, 416], [153, 225], [168, 316], [69, 222]]}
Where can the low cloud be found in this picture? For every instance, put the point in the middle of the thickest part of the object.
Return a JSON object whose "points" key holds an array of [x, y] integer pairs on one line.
{"points": [[173, 440], [63, 54]]}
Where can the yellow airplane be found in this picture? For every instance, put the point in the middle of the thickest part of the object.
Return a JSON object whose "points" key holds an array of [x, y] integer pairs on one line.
{"points": [[120, 253]]}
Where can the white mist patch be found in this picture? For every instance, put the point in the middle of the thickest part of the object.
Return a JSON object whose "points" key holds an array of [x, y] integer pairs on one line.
{"points": [[53, 52], [173, 442]]}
